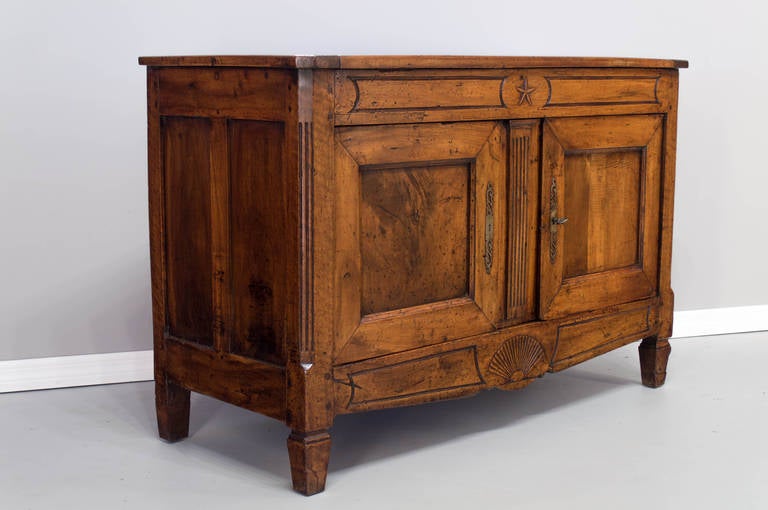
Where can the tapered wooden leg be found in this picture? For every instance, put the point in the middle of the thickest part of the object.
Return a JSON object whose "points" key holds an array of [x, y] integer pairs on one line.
{"points": [[654, 353], [172, 403], [309, 454]]}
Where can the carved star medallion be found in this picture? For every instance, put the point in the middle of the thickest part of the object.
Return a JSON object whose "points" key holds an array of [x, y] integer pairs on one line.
{"points": [[525, 92]]}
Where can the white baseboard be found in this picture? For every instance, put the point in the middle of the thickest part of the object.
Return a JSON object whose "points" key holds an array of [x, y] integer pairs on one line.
{"points": [[720, 321], [122, 367], [81, 370]]}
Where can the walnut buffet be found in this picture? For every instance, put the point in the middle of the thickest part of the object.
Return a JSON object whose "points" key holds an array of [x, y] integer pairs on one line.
{"points": [[333, 235]]}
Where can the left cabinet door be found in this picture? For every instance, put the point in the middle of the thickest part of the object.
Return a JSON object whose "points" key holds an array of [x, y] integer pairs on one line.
{"points": [[420, 235]]}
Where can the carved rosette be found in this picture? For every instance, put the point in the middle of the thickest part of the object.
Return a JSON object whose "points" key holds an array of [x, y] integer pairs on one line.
{"points": [[516, 362]]}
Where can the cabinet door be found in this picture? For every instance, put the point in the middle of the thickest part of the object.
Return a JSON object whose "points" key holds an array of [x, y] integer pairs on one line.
{"points": [[420, 223], [600, 212]]}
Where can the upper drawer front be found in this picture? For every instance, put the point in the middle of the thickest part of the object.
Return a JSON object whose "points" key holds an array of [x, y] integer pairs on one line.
{"points": [[375, 97]]}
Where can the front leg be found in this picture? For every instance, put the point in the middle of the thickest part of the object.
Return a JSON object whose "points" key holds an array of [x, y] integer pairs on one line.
{"points": [[654, 353], [309, 454]]}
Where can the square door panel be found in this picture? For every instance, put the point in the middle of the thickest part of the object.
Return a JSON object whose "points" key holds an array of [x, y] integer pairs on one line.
{"points": [[414, 236]]}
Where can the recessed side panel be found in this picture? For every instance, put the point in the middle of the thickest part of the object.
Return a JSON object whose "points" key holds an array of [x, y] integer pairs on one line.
{"points": [[262, 251], [414, 224], [186, 162]]}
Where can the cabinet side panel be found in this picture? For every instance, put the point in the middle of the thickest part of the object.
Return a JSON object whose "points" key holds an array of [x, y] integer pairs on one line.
{"points": [[262, 246], [186, 147]]}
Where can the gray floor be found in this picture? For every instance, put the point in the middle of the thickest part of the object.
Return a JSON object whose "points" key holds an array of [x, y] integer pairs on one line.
{"points": [[589, 437]]}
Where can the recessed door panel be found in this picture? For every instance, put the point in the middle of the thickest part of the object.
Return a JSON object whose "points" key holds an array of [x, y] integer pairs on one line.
{"points": [[600, 214], [414, 224], [602, 202]]}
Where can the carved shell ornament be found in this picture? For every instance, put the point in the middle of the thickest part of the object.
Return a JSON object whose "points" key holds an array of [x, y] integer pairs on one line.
{"points": [[518, 358]]}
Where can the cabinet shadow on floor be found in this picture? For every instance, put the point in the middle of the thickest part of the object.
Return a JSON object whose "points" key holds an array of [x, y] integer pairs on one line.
{"points": [[255, 441], [367, 437]]}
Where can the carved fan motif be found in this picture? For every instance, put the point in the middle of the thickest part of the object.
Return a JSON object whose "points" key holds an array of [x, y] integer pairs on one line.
{"points": [[518, 358]]}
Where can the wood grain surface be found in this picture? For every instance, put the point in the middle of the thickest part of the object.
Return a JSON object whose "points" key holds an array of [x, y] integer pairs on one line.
{"points": [[401, 62]]}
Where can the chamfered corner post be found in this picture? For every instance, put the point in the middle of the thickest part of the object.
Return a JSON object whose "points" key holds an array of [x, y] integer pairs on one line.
{"points": [[654, 354], [654, 350], [171, 399], [310, 412]]}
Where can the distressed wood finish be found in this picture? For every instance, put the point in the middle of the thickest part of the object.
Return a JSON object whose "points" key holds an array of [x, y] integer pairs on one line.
{"points": [[172, 410], [411, 244], [188, 239], [333, 235], [259, 294], [577, 340], [376, 97], [309, 456], [601, 178], [523, 211], [242, 381], [405, 62], [654, 353], [403, 263]]}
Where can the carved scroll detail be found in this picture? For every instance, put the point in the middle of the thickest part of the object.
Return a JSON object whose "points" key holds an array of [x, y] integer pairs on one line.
{"points": [[489, 199], [553, 225]]}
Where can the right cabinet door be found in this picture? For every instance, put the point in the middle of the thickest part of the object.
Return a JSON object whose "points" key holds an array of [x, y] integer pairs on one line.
{"points": [[600, 211]]}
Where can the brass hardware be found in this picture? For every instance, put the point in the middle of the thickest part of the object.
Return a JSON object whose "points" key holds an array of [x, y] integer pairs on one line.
{"points": [[554, 221], [488, 257]]}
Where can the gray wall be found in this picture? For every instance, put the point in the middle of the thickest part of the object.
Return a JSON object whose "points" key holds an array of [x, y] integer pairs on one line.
{"points": [[72, 133]]}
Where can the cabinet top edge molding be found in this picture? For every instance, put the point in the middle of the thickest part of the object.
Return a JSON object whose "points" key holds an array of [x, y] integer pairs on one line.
{"points": [[404, 62]]}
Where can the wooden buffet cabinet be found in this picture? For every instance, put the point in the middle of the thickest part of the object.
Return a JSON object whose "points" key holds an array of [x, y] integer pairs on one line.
{"points": [[339, 234]]}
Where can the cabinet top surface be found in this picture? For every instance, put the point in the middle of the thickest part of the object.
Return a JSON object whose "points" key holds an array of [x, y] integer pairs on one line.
{"points": [[403, 62]]}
